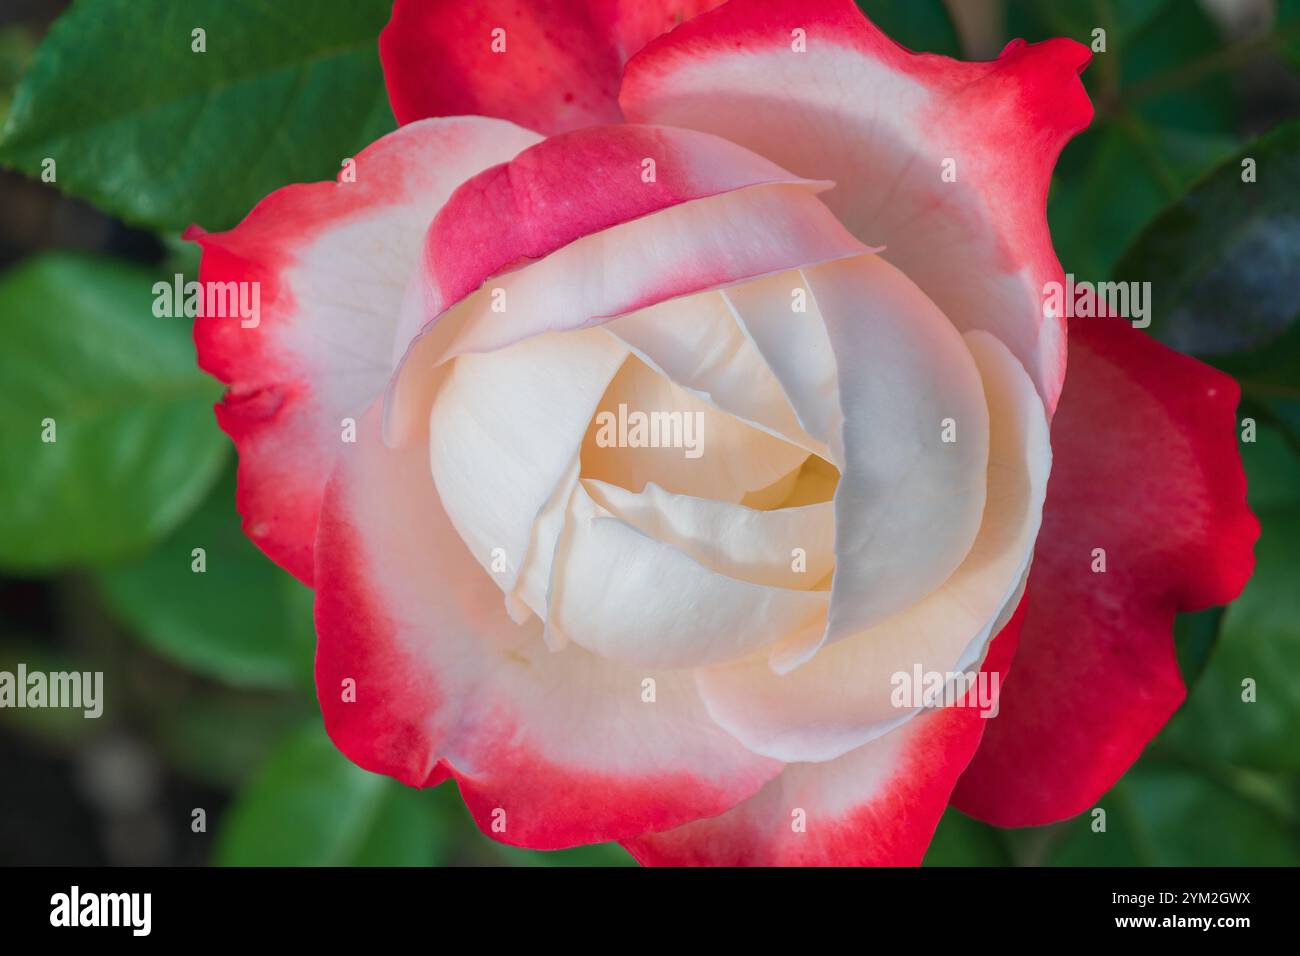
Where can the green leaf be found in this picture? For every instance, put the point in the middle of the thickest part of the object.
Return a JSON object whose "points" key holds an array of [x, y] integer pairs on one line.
{"points": [[921, 25], [157, 134], [961, 841], [1195, 636], [310, 806], [219, 736], [136, 446], [1113, 179], [1222, 261], [264, 638], [16, 46], [1260, 642], [1163, 814], [1036, 20], [1159, 78], [1147, 143], [1288, 29]]}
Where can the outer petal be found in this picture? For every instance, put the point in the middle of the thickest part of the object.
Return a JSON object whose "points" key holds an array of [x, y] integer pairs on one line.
{"points": [[556, 67], [886, 125], [331, 261], [877, 805], [565, 744], [1144, 467]]}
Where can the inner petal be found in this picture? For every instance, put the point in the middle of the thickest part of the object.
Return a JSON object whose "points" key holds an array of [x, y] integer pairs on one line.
{"points": [[698, 342], [648, 429], [785, 548], [626, 596]]}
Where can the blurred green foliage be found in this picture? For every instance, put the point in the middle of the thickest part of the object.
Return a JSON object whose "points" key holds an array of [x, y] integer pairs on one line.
{"points": [[110, 398], [99, 529]]}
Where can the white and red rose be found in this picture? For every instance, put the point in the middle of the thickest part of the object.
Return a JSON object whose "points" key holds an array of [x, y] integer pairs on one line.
{"points": [[582, 211]]}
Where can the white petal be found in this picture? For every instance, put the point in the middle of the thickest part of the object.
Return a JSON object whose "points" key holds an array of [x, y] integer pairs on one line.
{"points": [[632, 599], [909, 503], [795, 345], [842, 697], [740, 542], [504, 429], [680, 251]]}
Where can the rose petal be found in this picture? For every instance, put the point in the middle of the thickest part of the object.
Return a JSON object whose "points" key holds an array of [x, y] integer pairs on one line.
{"points": [[909, 501], [875, 806], [558, 70], [843, 697], [570, 748], [332, 261], [504, 431], [686, 249], [630, 598], [572, 186], [740, 542], [711, 454], [797, 350], [698, 343], [1145, 468], [883, 123]]}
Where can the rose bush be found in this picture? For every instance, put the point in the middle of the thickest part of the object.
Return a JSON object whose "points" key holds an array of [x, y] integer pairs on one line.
{"points": [[831, 253]]}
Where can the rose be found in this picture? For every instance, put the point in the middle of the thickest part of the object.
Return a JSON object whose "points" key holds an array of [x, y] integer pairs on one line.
{"points": [[703, 656]]}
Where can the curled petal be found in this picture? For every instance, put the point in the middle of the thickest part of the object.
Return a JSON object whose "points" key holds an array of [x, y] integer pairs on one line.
{"points": [[640, 601], [915, 439], [715, 456], [745, 543], [698, 343], [505, 430]]}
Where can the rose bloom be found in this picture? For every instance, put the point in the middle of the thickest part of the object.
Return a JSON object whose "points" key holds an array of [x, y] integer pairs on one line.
{"points": [[816, 261]]}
